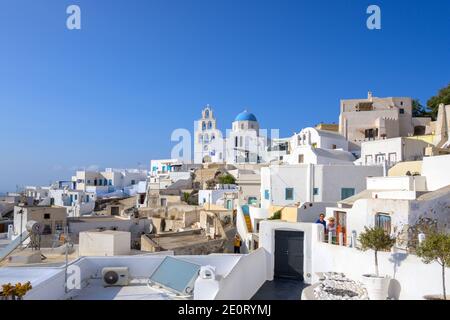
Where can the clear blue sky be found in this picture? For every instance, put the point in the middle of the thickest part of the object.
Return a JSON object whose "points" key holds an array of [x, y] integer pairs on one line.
{"points": [[110, 94]]}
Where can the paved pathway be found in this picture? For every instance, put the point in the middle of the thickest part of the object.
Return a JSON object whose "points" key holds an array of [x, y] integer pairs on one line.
{"points": [[280, 289]]}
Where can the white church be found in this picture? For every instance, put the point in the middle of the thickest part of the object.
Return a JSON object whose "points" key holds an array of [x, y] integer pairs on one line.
{"points": [[244, 143]]}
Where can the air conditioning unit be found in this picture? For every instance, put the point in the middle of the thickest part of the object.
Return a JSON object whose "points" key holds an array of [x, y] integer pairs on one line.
{"points": [[115, 276]]}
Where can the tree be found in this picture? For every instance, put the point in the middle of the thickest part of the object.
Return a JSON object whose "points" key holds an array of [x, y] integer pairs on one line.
{"points": [[376, 239], [443, 96], [436, 248], [276, 215], [227, 179], [186, 196], [210, 184], [418, 110]]}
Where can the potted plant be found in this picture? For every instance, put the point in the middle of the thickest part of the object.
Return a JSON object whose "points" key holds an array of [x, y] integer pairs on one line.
{"points": [[16, 292], [377, 240], [436, 248]]}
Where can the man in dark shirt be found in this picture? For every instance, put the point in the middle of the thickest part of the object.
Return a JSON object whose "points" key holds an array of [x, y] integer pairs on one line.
{"points": [[322, 221]]}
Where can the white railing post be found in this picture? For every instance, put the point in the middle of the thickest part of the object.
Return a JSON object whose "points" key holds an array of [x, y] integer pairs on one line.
{"points": [[330, 237], [341, 239], [354, 239]]}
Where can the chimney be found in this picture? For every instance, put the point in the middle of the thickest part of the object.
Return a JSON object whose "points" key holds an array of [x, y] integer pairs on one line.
{"points": [[370, 96]]}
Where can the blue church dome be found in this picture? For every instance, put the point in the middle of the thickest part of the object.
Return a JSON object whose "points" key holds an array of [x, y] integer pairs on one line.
{"points": [[245, 116]]}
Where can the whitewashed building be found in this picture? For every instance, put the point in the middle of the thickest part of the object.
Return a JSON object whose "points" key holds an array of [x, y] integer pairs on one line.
{"points": [[287, 184], [314, 146], [108, 181], [223, 195], [396, 203], [392, 151]]}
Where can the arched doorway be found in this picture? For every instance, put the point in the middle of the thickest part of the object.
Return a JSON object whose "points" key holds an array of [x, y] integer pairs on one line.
{"points": [[419, 130]]}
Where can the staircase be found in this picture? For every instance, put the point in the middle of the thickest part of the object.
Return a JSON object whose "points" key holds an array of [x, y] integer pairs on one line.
{"points": [[248, 222]]}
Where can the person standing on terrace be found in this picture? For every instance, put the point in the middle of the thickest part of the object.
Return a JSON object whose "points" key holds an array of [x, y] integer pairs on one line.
{"points": [[322, 221]]}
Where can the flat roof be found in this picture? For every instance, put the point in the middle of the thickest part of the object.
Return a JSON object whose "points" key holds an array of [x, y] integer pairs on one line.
{"points": [[136, 290], [14, 275], [179, 241], [110, 232], [97, 219]]}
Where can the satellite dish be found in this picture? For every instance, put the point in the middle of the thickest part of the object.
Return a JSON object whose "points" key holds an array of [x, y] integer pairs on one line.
{"points": [[35, 227]]}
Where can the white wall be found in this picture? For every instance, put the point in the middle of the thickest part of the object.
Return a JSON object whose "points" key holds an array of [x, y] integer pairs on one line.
{"points": [[394, 150], [328, 179], [107, 243], [437, 171], [245, 279], [312, 211], [412, 279], [241, 229], [257, 214], [87, 224], [406, 183]]}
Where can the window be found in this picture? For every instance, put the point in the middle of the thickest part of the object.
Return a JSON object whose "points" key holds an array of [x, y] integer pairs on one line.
{"points": [[369, 134], [47, 229], [347, 193], [58, 225], [333, 146], [46, 216], [369, 159], [95, 182], [289, 194], [89, 182], [316, 191], [76, 197], [392, 158], [379, 158], [402, 111], [133, 181], [203, 126], [100, 182], [266, 194], [110, 182], [105, 182], [115, 211], [401, 103], [383, 221], [236, 141], [301, 158]]}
